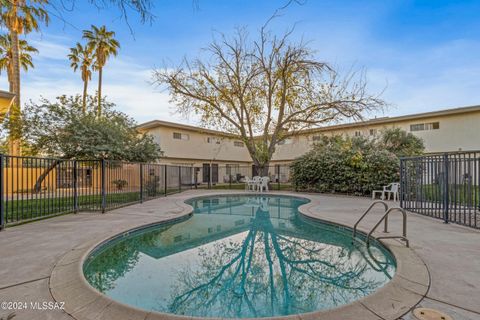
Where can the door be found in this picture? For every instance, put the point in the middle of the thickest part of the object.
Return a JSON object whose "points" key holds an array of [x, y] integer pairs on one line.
{"points": [[206, 173], [254, 170], [214, 173]]}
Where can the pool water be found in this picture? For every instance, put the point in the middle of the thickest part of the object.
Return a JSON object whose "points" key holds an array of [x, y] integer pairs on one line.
{"points": [[239, 256]]}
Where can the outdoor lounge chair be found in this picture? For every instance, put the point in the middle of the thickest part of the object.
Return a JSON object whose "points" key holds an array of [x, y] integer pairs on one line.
{"points": [[391, 189]]}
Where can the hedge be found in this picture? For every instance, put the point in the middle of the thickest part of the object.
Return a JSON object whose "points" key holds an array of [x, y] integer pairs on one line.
{"points": [[345, 165]]}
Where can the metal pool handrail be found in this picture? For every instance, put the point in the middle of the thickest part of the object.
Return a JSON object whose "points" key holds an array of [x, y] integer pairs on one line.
{"points": [[385, 217], [366, 212]]}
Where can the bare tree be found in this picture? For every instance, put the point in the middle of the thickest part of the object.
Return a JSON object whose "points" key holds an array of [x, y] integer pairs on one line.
{"points": [[265, 90]]}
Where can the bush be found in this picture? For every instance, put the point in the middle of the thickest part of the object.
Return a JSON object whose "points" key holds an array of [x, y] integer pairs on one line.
{"points": [[402, 143], [346, 165]]}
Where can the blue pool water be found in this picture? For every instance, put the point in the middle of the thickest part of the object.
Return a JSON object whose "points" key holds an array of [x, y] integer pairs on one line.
{"points": [[239, 256]]}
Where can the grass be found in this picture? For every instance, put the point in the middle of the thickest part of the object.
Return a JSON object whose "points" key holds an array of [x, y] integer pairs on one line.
{"points": [[457, 194], [22, 210], [32, 209]]}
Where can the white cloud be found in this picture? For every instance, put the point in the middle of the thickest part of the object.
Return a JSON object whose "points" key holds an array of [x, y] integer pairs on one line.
{"points": [[429, 78], [50, 50], [126, 83]]}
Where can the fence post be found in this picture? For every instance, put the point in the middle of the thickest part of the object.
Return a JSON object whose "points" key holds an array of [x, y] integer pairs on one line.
{"points": [[75, 187], [179, 178], [195, 177], [278, 176], [209, 176], [102, 182], [402, 179], [446, 194], [141, 182], [165, 179], [2, 195]]}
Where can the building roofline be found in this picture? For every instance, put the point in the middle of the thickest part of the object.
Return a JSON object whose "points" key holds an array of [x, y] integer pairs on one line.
{"points": [[375, 121], [161, 123], [6, 94], [385, 120]]}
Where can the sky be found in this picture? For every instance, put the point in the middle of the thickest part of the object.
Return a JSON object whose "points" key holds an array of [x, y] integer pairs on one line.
{"points": [[422, 55]]}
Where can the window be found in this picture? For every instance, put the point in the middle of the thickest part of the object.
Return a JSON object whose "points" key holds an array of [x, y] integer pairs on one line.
{"points": [[181, 136], [316, 138], [238, 144], [358, 133], [425, 126], [432, 126], [232, 169], [373, 132], [213, 140], [417, 127]]}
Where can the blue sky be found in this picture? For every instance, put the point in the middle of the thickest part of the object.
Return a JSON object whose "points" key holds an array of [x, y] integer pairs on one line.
{"points": [[425, 54]]}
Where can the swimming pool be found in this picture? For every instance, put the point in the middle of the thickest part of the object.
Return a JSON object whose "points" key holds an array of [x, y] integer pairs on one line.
{"points": [[239, 256]]}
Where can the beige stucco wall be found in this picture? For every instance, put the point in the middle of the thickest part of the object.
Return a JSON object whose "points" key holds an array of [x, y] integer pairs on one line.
{"points": [[196, 149], [4, 106], [456, 132], [459, 132]]}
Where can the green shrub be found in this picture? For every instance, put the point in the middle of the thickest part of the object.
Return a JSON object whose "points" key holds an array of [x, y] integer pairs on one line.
{"points": [[401, 142], [345, 165]]}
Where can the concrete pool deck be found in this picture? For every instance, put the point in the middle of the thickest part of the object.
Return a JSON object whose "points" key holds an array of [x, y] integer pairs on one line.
{"points": [[30, 252]]}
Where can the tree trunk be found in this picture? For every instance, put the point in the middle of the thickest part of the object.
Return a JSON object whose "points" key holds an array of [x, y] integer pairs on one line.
{"points": [[10, 79], [14, 127], [38, 185], [99, 108], [263, 170], [84, 101]]}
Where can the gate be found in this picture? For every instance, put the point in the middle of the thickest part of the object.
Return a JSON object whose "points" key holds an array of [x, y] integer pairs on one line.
{"points": [[444, 186]]}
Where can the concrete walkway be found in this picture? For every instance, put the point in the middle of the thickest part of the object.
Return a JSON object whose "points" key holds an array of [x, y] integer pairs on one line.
{"points": [[29, 252]]}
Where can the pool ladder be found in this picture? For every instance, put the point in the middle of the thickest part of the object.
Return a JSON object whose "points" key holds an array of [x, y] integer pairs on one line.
{"points": [[384, 218]]}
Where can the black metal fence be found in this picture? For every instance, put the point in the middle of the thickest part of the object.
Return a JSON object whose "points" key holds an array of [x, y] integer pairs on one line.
{"points": [[35, 188], [444, 186]]}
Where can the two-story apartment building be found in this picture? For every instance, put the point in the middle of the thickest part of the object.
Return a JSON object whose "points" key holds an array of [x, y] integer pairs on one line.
{"points": [[447, 130], [6, 100]]}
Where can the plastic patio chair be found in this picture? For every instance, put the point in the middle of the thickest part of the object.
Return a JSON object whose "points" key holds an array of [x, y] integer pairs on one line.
{"points": [[251, 184], [263, 184], [391, 189]]}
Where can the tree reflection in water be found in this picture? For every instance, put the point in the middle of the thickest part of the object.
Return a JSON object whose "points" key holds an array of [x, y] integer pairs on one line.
{"points": [[270, 272], [114, 261], [272, 263]]}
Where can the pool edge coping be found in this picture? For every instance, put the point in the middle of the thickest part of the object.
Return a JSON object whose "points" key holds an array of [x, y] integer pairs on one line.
{"points": [[404, 291]]}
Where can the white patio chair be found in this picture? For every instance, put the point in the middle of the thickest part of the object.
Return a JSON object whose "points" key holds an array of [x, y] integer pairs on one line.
{"points": [[394, 190], [256, 182], [263, 184], [251, 184], [248, 183], [391, 189]]}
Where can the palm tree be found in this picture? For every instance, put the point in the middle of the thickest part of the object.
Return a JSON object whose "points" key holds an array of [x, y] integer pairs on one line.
{"points": [[19, 17], [82, 57], [103, 43], [6, 56]]}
